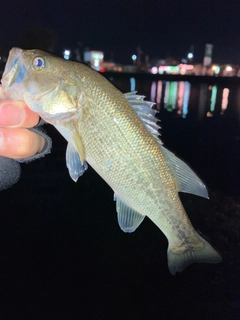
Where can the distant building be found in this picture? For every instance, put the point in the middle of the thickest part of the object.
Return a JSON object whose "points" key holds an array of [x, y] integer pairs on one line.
{"points": [[94, 59], [207, 60]]}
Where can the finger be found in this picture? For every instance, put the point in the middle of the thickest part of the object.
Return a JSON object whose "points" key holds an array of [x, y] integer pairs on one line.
{"points": [[19, 143], [15, 114]]}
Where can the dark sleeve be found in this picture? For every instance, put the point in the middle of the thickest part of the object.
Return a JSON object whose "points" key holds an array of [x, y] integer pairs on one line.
{"points": [[46, 149], [10, 170]]}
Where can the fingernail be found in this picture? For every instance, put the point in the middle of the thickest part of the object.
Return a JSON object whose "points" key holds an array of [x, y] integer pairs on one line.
{"points": [[11, 115]]}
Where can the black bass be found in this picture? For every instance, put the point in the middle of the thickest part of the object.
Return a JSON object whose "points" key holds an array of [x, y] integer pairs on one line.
{"points": [[117, 135]]}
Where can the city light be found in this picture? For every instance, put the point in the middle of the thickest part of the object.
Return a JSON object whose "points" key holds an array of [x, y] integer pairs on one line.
{"points": [[96, 60], [161, 66], [168, 69], [134, 57], [154, 70], [228, 68], [97, 56], [185, 68], [66, 54], [216, 69]]}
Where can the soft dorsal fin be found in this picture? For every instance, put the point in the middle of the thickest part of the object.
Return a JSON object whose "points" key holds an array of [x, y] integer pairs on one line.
{"points": [[187, 180], [145, 112], [128, 219]]}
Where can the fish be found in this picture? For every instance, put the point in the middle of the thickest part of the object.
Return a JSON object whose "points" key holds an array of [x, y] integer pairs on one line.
{"points": [[118, 136]]}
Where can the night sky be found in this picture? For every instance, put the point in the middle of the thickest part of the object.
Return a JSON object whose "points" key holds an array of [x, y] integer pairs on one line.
{"points": [[161, 28]]}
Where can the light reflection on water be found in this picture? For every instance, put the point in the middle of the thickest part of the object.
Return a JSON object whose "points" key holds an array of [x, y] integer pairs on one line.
{"points": [[186, 99], [176, 97]]}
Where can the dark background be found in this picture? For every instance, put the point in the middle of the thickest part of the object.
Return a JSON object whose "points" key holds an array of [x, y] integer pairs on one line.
{"points": [[63, 255]]}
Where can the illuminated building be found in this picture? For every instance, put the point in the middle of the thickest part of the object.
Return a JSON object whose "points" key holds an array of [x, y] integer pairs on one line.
{"points": [[94, 58]]}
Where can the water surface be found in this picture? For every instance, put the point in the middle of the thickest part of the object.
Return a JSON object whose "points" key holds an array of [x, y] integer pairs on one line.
{"points": [[186, 98]]}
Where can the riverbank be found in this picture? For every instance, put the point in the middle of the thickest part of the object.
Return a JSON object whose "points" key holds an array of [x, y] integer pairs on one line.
{"points": [[173, 77]]}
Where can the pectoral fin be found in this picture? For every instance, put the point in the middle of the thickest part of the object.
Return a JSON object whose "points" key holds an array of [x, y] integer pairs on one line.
{"points": [[75, 154], [74, 165], [128, 219], [187, 180]]}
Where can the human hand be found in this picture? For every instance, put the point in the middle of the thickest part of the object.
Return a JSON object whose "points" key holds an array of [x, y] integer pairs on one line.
{"points": [[15, 140]]}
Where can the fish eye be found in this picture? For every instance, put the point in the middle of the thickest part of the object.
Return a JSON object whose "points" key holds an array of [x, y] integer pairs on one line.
{"points": [[38, 63]]}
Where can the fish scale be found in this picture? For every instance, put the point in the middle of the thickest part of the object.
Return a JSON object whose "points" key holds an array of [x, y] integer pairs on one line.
{"points": [[124, 169], [117, 136]]}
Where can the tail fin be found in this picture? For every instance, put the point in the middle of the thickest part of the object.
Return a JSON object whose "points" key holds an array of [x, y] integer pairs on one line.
{"points": [[177, 262]]}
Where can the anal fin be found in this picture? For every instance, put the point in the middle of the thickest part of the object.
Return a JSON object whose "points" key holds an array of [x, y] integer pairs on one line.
{"points": [[128, 219]]}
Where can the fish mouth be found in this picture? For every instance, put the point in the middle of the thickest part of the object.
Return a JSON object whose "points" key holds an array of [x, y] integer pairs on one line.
{"points": [[11, 69]]}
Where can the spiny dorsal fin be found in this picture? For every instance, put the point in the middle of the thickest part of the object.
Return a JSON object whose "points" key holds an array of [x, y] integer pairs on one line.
{"points": [[187, 180], [145, 112]]}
